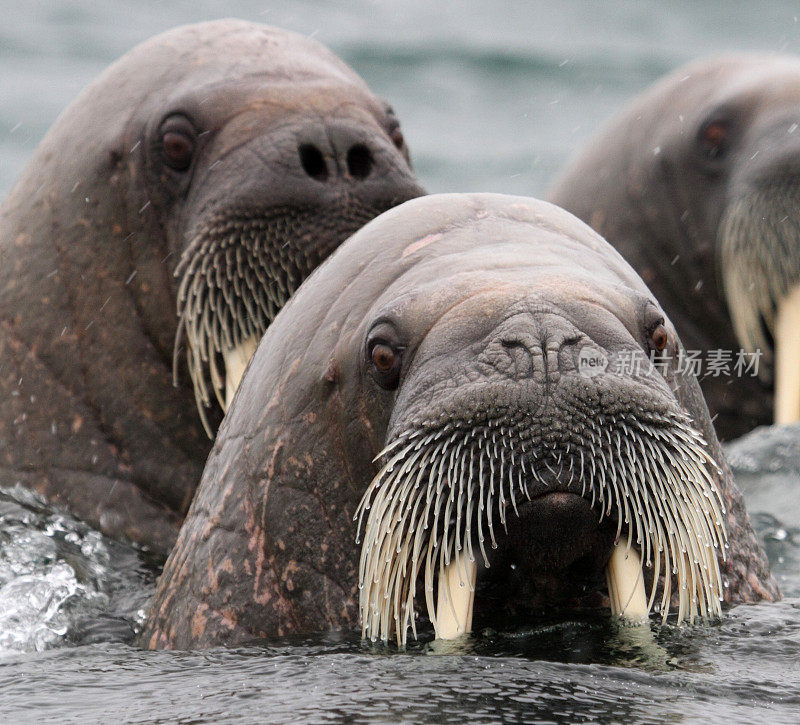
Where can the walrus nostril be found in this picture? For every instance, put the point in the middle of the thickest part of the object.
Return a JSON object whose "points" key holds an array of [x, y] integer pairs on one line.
{"points": [[359, 161], [313, 161]]}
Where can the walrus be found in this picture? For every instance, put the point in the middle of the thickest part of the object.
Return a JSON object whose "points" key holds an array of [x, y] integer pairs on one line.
{"points": [[167, 216], [465, 388], [697, 183]]}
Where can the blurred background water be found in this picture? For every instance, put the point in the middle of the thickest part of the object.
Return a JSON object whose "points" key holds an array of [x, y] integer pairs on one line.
{"points": [[493, 96]]}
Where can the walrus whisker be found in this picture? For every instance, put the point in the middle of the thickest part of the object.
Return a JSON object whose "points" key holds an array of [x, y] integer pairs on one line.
{"points": [[234, 279], [418, 515], [760, 265]]}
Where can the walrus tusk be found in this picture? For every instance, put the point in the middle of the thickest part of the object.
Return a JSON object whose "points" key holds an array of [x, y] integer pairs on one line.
{"points": [[787, 358], [456, 597], [236, 359], [626, 584]]}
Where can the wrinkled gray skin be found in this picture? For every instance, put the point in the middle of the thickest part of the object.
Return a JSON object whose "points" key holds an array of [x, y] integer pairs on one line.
{"points": [[660, 191], [93, 231], [489, 299]]}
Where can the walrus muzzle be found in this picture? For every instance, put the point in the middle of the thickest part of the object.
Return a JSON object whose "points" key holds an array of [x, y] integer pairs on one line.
{"points": [[236, 274], [448, 487], [760, 259]]}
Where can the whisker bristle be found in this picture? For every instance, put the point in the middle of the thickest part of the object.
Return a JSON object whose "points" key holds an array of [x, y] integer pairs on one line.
{"points": [[440, 491]]}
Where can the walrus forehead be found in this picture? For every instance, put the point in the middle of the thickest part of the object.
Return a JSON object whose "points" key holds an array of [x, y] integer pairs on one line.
{"points": [[217, 49], [472, 303], [673, 107], [514, 259], [223, 66], [262, 94], [724, 74], [771, 81]]}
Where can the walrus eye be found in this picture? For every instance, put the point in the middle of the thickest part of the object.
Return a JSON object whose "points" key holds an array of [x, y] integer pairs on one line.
{"points": [[386, 361], [657, 338], [393, 128], [713, 138], [177, 143], [383, 358], [397, 138], [178, 150]]}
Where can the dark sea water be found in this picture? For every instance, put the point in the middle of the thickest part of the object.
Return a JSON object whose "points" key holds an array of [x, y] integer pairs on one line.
{"points": [[493, 96]]}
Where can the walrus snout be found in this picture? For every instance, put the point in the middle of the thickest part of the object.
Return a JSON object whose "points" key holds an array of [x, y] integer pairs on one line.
{"points": [[270, 201], [536, 344], [532, 466], [342, 151]]}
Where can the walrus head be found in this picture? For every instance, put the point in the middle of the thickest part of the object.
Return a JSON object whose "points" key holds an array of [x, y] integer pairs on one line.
{"points": [[245, 155], [510, 456], [461, 419], [697, 184], [258, 181], [750, 148]]}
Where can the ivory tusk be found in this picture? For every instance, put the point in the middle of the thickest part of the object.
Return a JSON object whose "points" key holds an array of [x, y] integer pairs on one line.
{"points": [[236, 359], [455, 598], [626, 584], [787, 358]]}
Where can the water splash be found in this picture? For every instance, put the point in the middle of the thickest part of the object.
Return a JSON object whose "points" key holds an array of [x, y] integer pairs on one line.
{"points": [[60, 580]]}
